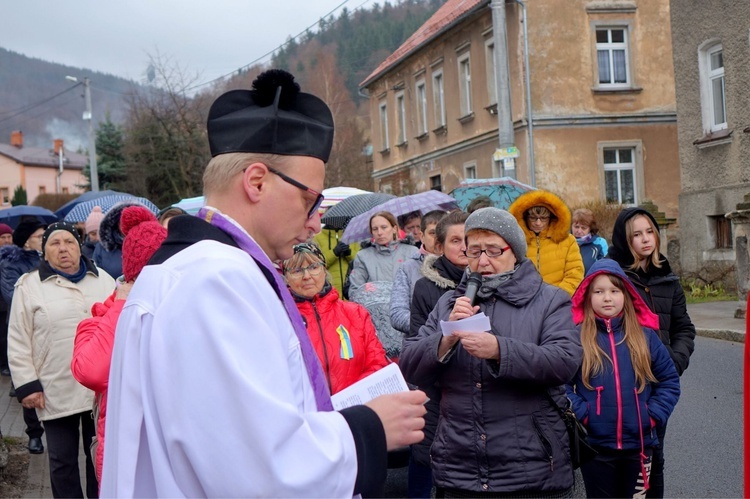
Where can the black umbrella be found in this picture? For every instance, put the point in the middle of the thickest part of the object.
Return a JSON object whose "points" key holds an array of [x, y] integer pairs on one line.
{"points": [[338, 216]]}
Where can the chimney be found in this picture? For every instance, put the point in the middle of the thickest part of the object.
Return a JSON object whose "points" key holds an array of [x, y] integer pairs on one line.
{"points": [[58, 146], [16, 138]]}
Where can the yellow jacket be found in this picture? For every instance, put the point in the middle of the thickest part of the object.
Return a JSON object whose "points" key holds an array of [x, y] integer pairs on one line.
{"points": [[554, 251]]}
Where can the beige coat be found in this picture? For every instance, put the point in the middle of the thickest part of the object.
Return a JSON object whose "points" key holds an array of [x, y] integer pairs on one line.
{"points": [[44, 316]]}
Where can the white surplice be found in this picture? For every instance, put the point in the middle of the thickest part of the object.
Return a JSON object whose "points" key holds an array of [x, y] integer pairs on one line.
{"points": [[208, 391]]}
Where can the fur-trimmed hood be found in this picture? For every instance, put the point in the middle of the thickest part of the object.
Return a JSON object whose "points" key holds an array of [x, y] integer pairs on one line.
{"points": [[110, 235], [558, 229], [430, 272]]}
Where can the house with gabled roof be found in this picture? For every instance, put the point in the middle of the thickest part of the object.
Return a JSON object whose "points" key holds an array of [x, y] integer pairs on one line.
{"points": [[596, 119], [38, 170]]}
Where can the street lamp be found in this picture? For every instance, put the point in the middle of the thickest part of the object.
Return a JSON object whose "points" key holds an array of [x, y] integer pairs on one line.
{"points": [[87, 116]]}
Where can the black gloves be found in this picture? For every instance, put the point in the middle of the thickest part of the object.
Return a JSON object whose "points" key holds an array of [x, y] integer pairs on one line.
{"points": [[342, 249]]}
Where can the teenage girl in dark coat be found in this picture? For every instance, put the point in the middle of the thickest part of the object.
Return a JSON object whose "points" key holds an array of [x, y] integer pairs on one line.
{"points": [[635, 246]]}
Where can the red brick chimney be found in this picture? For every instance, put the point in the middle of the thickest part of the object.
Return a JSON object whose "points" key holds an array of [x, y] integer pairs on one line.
{"points": [[58, 146], [16, 138]]}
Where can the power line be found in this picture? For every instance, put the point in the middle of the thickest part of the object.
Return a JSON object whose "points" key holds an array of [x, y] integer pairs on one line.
{"points": [[46, 111], [29, 107], [269, 52]]}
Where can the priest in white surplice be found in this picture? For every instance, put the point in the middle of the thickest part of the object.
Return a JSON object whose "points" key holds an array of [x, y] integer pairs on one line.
{"points": [[214, 387]]}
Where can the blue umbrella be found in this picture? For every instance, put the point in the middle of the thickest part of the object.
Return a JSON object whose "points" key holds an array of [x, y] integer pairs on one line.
{"points": [[502, 191], [86, 196], [191, 205], [80, 212], [13, 216]]}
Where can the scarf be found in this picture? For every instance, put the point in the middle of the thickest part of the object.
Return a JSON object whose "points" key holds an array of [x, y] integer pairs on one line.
{"points": [[449, 269], [249, 246], [490, 283], [585, 239], [74, 278]]}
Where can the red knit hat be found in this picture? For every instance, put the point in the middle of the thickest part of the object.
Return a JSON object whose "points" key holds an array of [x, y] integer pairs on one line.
{"points": [[143, 236]]}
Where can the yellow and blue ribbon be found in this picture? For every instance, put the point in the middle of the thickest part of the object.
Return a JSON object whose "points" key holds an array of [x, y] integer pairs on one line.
{"points": [[346, 343]]}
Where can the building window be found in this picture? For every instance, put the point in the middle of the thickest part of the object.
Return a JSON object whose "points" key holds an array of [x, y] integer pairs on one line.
{"points": [[5, 194], [438, 97], [722, 232], [421, 108], [42, 189], [713, 99], [66, 190], [384, 126], [612, 56], [619, 176], [401, 115], [436, 183], [470, 170], [386, 189], [464, 84], [491, 75]]}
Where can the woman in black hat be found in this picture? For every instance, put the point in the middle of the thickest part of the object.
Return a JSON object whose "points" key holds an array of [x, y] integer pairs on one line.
{"points": [[48, 304]]}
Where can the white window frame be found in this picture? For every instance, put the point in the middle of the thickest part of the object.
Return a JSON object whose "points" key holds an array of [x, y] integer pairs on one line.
{"points": [[610, 47], [420, 90], [489, 50], [618, 167], [470, 170], [707, 78], [438, 98], [401, 117], [5, 193], [383, 110], [464, 83]]}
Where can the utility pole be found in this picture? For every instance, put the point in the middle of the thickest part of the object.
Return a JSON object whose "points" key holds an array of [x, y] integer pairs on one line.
{"points": [[88, 115], [507, 151]]}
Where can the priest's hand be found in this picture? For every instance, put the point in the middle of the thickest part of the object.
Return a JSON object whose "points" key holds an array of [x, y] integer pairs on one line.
{"points": [[34, 401], [402, 415]]}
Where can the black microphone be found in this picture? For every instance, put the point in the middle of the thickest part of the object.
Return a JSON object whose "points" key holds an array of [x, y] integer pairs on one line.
{"points": [[472, 286]]}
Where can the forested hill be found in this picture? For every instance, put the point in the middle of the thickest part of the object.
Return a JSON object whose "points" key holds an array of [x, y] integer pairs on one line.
{"points": [[25, 85], [361, 40]]}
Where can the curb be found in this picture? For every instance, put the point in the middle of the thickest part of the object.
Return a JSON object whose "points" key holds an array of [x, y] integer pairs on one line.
{"points": [[722, 334]]}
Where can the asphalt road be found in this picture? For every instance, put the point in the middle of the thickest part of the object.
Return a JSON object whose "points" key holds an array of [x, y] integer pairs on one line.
{"points": [[704, 436]]}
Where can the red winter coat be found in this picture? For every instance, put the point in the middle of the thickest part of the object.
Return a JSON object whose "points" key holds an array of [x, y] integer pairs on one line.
{"points": [[92, 355], [330, 322]]}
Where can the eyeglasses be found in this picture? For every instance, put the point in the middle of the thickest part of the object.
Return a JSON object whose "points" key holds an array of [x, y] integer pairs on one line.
{"points": [[299, 185], [537, 219], [490, 251], [314, 269]]}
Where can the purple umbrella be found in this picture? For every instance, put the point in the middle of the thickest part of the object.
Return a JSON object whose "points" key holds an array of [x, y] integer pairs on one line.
{"points": [[359, 228]]}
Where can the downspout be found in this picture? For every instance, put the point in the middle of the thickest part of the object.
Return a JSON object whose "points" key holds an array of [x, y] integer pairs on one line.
{"points": [[529, 109]]}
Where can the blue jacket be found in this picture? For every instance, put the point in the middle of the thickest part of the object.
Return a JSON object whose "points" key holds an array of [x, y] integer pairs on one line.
{"points": [[616, 416], [593, 249], [15, 262]]}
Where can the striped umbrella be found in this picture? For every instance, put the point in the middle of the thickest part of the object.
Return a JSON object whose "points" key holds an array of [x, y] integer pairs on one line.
{"points": [[339, 215], [359, 227], [81, 211], [333, 195]]}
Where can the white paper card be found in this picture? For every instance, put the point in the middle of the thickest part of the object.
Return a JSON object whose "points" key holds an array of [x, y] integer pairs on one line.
{"points": [[386, 380], [474, 324]]}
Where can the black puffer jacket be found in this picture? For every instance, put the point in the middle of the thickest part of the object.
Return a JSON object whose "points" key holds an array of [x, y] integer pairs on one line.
{"points": [[427, 291], [660, 289], [498, 431]]}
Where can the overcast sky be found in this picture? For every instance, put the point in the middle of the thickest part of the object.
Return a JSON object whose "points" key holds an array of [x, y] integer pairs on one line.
{"points": [[207, 37]]}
